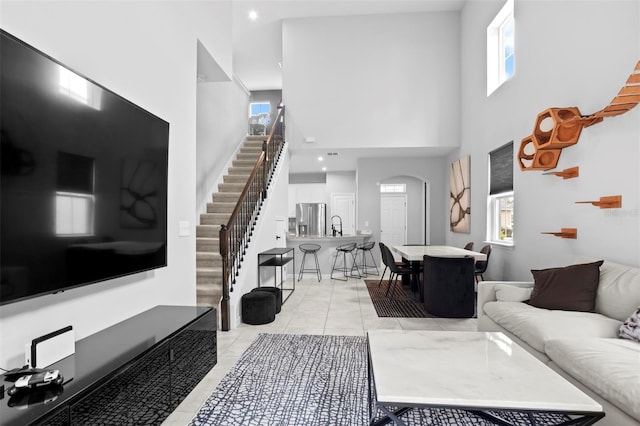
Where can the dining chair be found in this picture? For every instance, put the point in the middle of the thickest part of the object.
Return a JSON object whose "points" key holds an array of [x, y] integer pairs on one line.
{"points": [[449, 286], [481, 265], [397, 269], [469, 246], [384, 261]]}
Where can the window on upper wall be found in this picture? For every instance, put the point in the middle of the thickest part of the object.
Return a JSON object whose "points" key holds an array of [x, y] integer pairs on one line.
{"points": [[259, 117], [501, 48], [500, 202], [257, 108]]}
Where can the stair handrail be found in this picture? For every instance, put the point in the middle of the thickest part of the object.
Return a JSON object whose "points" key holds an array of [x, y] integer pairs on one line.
{"points": [[235, 234]]}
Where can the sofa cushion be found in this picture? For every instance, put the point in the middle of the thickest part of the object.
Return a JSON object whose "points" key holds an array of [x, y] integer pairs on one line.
{"points": [[511, 293], [630, 329], [535, 326], [610, 367], [618, 291], [571, 288]]}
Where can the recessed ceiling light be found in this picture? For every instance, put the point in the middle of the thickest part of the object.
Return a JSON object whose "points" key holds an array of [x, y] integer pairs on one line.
{"points": [[253, 15], [324, 169], [320, 159]]}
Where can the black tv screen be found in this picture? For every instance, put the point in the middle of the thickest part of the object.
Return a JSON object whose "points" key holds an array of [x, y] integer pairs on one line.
{"points": [[83, 182]]}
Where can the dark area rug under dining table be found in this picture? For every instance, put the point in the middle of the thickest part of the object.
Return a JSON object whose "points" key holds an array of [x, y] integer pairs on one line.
{"points": [[311, 380], [398, 303]]}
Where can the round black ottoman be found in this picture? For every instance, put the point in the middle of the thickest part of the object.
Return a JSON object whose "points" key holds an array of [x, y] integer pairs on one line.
{"points": [[276, 292], [258, 307]]}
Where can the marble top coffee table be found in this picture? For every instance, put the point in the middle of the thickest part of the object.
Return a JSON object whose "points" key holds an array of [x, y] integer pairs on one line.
{"points": [[474, 371]]}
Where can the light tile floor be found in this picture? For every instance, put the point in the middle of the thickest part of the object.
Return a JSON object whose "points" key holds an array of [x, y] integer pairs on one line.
{"points": [[328, 307]]}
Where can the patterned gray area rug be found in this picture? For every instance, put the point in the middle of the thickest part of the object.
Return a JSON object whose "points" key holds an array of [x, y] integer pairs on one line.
{"points": [[308, 380]]}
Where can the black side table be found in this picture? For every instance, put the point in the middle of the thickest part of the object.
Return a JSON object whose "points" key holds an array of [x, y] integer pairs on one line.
{"points": [[279, 257]]}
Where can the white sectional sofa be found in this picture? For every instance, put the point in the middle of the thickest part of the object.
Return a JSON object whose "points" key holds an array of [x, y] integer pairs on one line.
{"points": [[583, 347]]}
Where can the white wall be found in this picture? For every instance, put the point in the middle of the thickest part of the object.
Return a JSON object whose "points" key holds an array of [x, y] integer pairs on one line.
{"points": [[373, 81], [372, 171], [221, 128], [146, 52], [340, 183], [415, 207], [568, 53], [381, 81], [263, 239]]}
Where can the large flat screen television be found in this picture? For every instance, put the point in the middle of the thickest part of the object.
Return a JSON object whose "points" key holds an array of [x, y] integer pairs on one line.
{"points": [[83, 182]]}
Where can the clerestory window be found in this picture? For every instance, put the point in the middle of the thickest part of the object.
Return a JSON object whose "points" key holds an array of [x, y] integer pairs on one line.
{"points": [[501, 48]]}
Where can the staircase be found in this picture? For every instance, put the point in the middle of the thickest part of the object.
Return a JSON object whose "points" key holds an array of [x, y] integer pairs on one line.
{"points": [[208, 259]]}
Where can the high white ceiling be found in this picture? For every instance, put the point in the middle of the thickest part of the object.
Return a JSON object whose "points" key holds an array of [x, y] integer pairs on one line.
{"points": [[257, 50], [257, 44]]}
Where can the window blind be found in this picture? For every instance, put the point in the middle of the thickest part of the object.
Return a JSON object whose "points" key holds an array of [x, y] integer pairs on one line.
{"points": [[501, 169]]}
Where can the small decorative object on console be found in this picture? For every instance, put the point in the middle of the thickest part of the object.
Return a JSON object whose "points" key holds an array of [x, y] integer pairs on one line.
{"points": [[16, 373], [36, 380]]}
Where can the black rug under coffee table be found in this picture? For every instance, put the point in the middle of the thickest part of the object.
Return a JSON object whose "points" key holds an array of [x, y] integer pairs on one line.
{"points": [[284, 379], [403, 304]]}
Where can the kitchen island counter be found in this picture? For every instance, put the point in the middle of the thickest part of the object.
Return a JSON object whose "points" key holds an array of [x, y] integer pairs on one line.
{"points": [[327, 252], [344, 238]]}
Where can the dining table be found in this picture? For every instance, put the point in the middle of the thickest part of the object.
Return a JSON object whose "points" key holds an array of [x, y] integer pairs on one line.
{"points": [[414, 256], [416, 253]]}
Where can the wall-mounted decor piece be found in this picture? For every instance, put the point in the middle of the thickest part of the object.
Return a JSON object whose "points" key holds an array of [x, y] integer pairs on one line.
{"points": [[606, 202], [571, 233], [558, 128], [460, 199], [570, 173]]}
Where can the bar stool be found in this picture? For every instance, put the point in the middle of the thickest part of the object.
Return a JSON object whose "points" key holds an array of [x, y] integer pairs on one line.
{"points": [[346, 271], [365, 248], [310, 249]]}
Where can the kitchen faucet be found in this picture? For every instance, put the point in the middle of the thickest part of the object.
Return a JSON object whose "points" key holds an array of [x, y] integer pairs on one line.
{"points": [[333, 228]]}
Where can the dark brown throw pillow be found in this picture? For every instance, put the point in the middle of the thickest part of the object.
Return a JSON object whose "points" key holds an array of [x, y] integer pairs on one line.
{"points": [[572, 288]]}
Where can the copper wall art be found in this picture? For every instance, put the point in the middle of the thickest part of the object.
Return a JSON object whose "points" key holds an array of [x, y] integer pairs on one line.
{"points": [[558, 128]]}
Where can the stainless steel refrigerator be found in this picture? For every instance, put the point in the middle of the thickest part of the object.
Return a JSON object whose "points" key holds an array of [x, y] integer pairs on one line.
{"points": [[311, 219]]}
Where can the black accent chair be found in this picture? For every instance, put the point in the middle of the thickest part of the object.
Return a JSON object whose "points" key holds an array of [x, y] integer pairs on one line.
{"points": [[449, 286], [481, 265]]}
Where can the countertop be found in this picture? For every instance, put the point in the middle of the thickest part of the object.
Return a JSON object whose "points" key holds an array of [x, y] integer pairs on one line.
{"points": [[292, 237]]}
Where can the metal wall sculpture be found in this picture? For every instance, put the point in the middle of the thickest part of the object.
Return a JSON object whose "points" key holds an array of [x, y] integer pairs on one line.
{"points": [[558, 128]]}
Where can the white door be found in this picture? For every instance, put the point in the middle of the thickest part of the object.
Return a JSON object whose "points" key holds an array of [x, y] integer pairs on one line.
{"points": [[393, 219], [343, 205]]}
